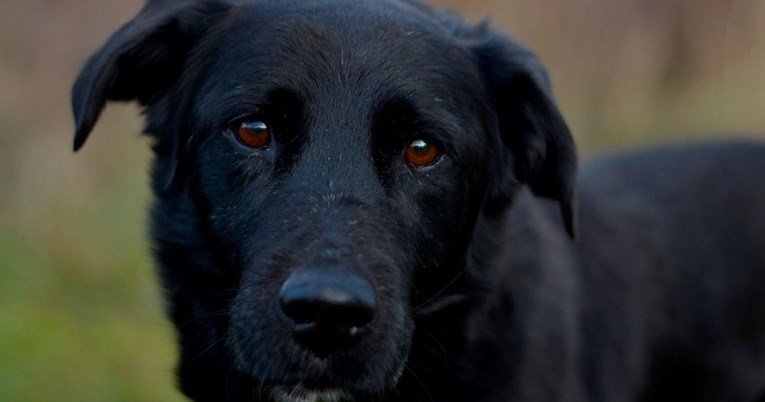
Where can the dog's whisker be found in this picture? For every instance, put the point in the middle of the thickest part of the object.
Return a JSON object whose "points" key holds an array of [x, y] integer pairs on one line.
{"points": [[440, 304], [443, 352], [208, 348], [443, 289], [229, 385], [417, 378], [398, 394], [267, 373]]}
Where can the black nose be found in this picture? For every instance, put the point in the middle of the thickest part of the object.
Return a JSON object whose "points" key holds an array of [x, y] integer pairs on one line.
{"points": [[328, 309]]}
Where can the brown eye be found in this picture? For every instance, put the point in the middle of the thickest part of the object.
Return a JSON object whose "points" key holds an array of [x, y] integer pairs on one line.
{"points": [[254, 134], [421, 153]]}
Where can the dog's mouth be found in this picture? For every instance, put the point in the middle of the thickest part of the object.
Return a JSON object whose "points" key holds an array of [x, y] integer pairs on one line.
{"points": [[303, 393]]}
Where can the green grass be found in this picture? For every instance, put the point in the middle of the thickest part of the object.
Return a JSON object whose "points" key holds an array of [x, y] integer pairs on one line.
{"points": [[81, 317]]}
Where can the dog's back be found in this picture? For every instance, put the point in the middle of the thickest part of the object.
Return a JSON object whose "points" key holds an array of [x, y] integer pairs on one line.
{"points": [[659, 297], [677, 236], [693, 206], [668, 275]]}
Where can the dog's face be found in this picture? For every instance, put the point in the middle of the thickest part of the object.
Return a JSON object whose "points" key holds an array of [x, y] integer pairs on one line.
{"points": [[320, 169]]}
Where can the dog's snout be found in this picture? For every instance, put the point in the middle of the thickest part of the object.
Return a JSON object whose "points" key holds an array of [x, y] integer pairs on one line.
{"points": [[327, 309]]}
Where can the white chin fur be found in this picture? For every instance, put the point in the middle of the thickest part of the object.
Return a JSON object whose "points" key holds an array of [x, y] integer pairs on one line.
{"points": [[298, 393]]}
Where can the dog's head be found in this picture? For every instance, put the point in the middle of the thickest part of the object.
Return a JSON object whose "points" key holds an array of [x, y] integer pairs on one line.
{"points": [[320, 169]]}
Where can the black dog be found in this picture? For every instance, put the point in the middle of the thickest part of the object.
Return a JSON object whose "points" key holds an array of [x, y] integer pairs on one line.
{"points": [[344, 212]]}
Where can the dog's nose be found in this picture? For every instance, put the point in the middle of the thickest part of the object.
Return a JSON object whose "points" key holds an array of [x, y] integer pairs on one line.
{"points": [[328, 309]]}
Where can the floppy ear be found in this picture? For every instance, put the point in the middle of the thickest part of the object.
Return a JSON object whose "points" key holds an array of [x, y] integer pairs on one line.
{"points": [[141, 59], [535, 146]]}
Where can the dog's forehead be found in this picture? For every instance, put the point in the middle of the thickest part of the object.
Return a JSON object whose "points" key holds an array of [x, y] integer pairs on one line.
{"points": [[354, 46], [357, 26]]}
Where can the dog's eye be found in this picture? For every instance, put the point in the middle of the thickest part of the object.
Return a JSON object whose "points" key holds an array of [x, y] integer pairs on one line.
{"points": [[254, 134], [421, 153]]}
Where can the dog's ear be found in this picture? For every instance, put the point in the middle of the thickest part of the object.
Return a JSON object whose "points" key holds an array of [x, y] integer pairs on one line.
{"points": [[535, 146], [141, 59]]}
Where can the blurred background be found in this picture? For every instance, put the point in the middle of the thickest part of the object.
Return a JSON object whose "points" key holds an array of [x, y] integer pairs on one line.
{"points": [[81, 317]]}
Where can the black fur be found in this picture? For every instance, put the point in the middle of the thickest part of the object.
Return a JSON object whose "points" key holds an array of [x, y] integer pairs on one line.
{"points": [[481, 294]]}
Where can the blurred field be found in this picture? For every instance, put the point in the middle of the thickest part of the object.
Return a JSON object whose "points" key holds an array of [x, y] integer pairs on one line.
{"points": [[80, 315]]}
